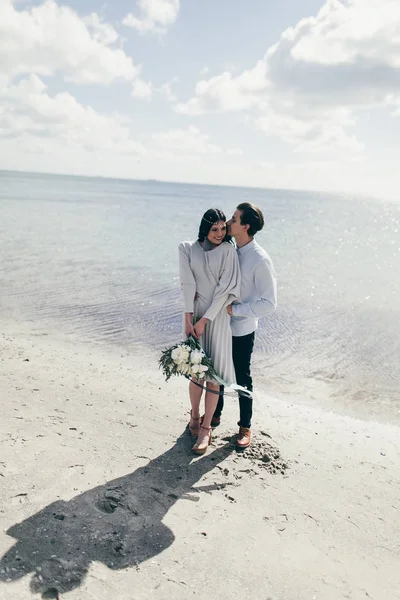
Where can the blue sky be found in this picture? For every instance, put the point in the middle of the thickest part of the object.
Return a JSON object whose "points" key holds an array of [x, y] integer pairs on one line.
{"points": [[275, 94]]}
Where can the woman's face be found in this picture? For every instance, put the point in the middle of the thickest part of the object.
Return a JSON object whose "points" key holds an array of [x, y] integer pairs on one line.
{"points": [[217, 233]]}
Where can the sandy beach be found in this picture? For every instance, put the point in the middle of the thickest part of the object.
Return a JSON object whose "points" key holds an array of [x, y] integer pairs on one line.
{"points": [[100, 497]]}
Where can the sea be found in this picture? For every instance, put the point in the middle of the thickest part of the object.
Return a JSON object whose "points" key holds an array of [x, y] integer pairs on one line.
{"points": [[97, 259]]}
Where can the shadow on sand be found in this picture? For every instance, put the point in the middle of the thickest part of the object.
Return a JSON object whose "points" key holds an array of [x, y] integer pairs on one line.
{"points": [[118, 524]]}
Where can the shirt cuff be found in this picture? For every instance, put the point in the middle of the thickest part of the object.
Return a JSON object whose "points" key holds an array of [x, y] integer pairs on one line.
{"points": [[235, 310]]}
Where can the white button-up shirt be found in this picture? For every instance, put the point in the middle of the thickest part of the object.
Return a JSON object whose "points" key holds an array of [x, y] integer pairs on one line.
{"points": [[258, 294]]}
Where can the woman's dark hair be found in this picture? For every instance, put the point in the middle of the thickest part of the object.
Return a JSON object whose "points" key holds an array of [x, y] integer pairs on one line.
{"points": [[252, 216], [210, 217]]}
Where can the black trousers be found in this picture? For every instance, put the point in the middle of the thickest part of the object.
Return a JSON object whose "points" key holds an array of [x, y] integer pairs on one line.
{"points": [[242, 349]]}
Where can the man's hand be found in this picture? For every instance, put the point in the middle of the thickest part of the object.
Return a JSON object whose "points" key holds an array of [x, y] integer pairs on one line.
{"points": [[229, 309], [199, 327]]}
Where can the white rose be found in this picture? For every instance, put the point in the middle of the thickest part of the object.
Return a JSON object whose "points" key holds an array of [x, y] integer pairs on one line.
{"points": [[183, 369], [180, 354], [175, 355], [196, 357], [184, 354]]}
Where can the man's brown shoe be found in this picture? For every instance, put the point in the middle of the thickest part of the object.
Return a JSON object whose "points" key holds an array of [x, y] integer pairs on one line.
{"points": [[243, 440]]}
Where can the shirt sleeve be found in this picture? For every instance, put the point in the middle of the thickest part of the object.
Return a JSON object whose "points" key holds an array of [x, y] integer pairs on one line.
{"points": [[265, 293], [228, 287], [186, 277]]}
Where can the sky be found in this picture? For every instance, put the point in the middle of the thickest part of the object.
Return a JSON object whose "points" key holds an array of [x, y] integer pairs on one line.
{"points": [[290, 94]]}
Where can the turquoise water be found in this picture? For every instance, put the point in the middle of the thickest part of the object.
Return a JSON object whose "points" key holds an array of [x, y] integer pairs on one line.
{"points": [[97, 258]]}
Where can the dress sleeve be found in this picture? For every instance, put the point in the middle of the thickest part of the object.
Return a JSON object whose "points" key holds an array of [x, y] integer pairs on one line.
{"points": [[228, 287], [186, 277]]}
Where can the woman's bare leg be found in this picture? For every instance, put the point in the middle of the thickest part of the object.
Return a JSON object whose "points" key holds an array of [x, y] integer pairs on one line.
{"points": [[195, 393], [211, 401]]}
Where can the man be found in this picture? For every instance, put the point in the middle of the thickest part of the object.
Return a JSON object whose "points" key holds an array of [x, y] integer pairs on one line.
{"points": [[257, 299]]}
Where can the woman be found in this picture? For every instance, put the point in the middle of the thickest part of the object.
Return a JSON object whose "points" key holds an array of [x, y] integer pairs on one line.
{"points": [[210, 280]]}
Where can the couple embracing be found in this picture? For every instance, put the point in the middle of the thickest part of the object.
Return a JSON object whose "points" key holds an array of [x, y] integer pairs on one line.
{"points": [[226, 288]]}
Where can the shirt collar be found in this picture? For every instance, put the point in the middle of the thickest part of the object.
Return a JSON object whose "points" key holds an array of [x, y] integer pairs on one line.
{"points": [[244, 249]]}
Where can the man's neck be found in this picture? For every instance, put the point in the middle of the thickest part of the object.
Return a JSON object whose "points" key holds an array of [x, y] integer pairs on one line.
{"points": [[243, 241]]}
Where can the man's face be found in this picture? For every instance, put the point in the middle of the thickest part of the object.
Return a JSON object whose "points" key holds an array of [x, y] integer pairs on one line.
{"points": [[235, 227]]}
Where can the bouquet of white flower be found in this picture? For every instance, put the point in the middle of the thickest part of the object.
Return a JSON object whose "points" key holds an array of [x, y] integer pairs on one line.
{"points": [[189, 359]]}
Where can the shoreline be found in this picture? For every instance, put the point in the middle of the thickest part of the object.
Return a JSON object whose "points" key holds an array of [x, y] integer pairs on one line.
{"points": [[82, 427], [317, 392]]}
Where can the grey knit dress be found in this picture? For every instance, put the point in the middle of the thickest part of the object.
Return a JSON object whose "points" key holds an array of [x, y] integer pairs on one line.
{"points": [[213, 277]]}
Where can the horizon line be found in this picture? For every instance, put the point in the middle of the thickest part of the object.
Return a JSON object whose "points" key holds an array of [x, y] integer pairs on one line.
{"points": [[355, 195]]}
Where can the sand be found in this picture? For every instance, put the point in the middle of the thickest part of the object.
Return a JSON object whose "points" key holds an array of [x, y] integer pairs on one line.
{"points": [[101, 498]]}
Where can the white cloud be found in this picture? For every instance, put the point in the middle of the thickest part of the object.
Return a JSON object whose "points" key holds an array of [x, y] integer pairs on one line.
{"points": [[313, 131], [28, 112], [166, 90], [344, 33], [310, 86], [101, 32], [226, 92], [154, 15], [40, 41], [48, 124], [142, 89], [184, 141], [47, 39], [235, 152]]}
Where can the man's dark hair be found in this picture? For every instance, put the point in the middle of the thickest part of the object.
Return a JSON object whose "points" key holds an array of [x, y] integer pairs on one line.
{"points": [[252, 216]]}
